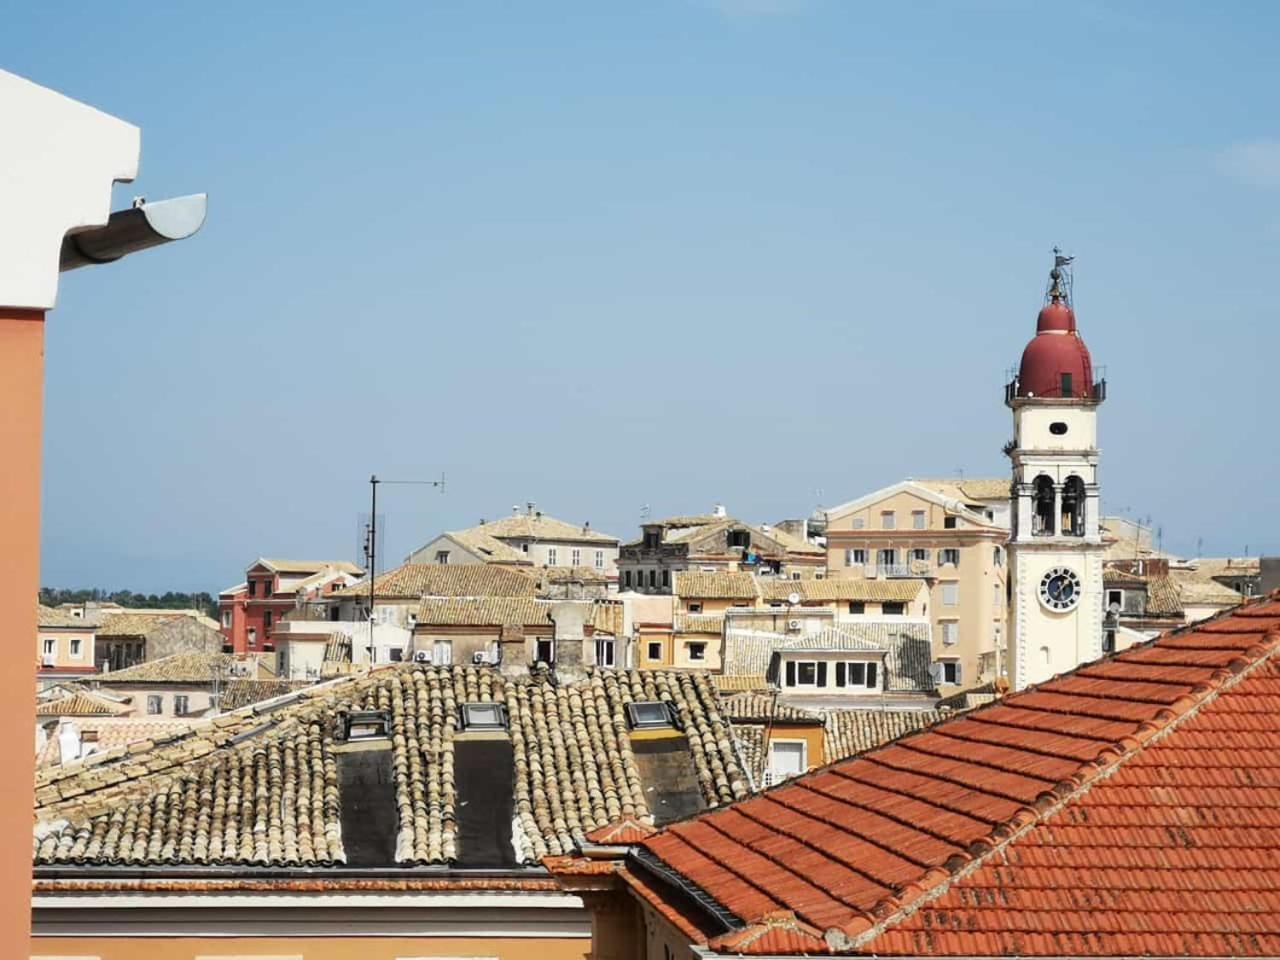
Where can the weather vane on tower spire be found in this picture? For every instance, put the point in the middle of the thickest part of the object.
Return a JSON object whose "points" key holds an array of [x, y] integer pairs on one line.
{"points": [[1060, 278]]}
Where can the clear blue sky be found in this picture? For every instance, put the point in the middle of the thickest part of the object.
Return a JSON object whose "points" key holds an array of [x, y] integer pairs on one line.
{"points": [[603, 255]]}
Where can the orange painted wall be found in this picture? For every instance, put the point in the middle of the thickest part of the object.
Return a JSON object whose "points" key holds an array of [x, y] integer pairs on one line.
{"points": [[21, 403], [310, 948]]}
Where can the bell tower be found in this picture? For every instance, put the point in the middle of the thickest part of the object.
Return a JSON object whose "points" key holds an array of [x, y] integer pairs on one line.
{"points": [[1055, 547]]}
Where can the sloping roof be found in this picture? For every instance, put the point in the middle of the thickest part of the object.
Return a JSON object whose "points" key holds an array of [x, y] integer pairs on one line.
{"points": [[100, 735], [263, 790], [578, 574], [306, 566], [763, 707], [140, 623], [244, 692], [975, 489], [708, 623], [1228, 566], [412, 581], [338, 648], [721, 585], [690, 530], [484, 611], [828, 590], [178, 668], [848, 733], [1163, 598], [947, 501], [1130, 807], [539, 526], [490, 548], [1198, 589], [53, 617], [905, 646], [81, 703]]}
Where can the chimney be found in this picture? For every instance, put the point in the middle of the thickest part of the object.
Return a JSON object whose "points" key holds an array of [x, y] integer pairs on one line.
{"points": [[718, 510], [571, 623], [511, 650], [529, 504]]}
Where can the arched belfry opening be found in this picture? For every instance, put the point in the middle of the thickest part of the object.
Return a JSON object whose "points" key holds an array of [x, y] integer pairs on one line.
{"points": [[1042, 524], [1073, 507]]}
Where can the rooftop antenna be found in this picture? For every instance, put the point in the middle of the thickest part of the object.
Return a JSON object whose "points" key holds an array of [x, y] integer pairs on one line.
{"points": [[371, 546], [644, 512]]}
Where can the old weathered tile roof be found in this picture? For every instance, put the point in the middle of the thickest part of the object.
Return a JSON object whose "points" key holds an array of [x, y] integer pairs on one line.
{"points": [[490, 548], [904, 644], [1227, 566], [539, 526], [140, 623], [178, 668], [709, 623], [725, 684], [263, 789], [53, 617], [850, 732], [337, 648], [839, 591], [1128, 808], [721, 585], [578, 574], [412, 581], [243, 691], [1118, 576], [307, 566], [976, 489], [81, 703], [102, 734], [761, 707], [484, 611], [1195, 588], [1163, 598]]}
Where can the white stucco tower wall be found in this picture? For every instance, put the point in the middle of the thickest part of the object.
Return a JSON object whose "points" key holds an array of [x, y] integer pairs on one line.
{"points": [[1055, 549]]}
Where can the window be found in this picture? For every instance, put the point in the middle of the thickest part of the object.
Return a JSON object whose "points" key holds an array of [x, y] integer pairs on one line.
{"points": [[893, 608], [666, 578], [1042, 517], [266, 619], [857, 607], [655, 650], [253, 637], [856, 557], [949, 523], [50, 646], [1073, 507], [226, 619], [395, 654], [545, 651], [887, 520], [484, 716], [653, 578], [950, 594], [626, 578], [524, 547], [947, 671], [1066, 385], [180, 705], [575, 557], [695, 606], [997, 595], [552, 558], [368, 725], [997, 556], [857, 673], [949, 555], [1115, 598], [887, 557], [599, 559], [697, 651], [75, 647], [604, 651], [786, 760], [806, 673], [917, 519], [442, 652], [442, 557], [921, 554], [859, 523], [950, 632], [649, 714], [253, 588], [155, 704], [1057, 428], [740, 538]]}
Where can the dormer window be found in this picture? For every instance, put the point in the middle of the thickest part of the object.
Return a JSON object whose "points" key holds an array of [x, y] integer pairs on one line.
{"points": [[739, 538], [367, 725], [650, 715], [484, 716]]}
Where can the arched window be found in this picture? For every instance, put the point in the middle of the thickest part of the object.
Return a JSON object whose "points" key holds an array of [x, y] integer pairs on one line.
{"points": [[1042, 524], [1073, 507]]}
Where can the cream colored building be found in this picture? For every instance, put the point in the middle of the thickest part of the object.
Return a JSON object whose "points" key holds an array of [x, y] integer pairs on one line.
{"points": [[910, 531]]}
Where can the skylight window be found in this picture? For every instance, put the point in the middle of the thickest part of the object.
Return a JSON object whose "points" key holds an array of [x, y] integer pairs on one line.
{"points": [[367, 725], [650, 715], [484, 716]]}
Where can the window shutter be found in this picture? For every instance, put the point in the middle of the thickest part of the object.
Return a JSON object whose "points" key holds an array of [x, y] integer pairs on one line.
{"points": [[822, 673], [840, 673], [935, 672], [959, 676], [871, 675], [791, 673]]}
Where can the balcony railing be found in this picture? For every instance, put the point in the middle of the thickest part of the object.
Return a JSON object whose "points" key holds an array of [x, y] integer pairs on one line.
{"points": [[897, 570]]}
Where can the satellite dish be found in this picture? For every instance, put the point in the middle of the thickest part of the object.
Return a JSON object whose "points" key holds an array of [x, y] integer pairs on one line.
{"points": [[793, 598], [1113, 608]]}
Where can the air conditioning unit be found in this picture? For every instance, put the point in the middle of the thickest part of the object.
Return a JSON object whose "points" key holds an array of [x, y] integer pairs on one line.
{"points": [[480, 656], [793, 624], [49, 660], [421, 656]]}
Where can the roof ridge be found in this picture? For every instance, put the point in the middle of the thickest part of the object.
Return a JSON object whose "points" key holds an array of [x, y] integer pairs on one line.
{"points": [[871, 923]]}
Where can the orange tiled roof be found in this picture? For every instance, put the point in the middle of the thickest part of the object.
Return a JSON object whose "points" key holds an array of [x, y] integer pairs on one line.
{"points": [[1130, 807]]}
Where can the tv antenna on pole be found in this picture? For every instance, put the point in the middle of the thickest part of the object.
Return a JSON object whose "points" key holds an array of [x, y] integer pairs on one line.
{"points": [[371, 538]]}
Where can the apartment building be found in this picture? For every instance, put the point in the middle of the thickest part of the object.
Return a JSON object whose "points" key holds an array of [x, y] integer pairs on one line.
{"points": [[709, 543], [911, 531], [64, 646], [250, 610]]}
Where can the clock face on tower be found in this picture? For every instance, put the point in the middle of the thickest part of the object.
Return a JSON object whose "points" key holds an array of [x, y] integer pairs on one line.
{"points": [[1060, 589]]}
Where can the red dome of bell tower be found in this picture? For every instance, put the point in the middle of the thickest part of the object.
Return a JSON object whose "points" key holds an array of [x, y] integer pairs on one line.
{"points": [[1056, 364]]}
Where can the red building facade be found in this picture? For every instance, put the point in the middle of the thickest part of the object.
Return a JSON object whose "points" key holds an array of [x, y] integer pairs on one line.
{"points": [[249, 611]]}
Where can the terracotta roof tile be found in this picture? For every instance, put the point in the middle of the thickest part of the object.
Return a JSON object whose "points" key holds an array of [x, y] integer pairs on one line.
{"points": [[539, 526], [413, 581], [81, 703], [1128, 808], [52, 617], [178, 668]]}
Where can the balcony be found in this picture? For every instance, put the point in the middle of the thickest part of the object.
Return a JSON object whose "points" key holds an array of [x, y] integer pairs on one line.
{"points": [[897, 570]]}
